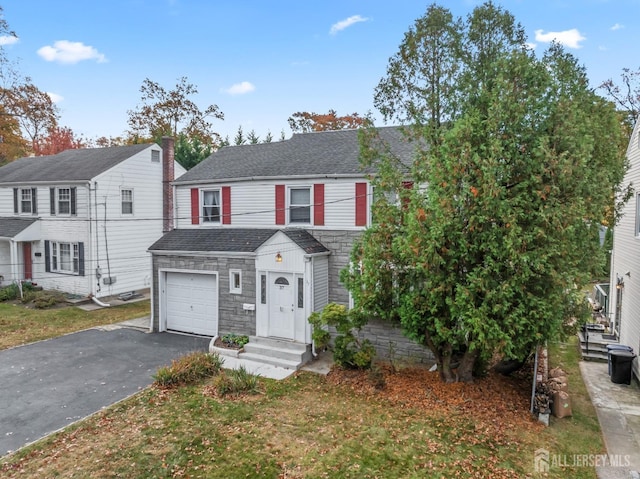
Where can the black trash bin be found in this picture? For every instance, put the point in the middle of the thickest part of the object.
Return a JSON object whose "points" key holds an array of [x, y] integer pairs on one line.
{"points": [[621, 362], [616, 347]]}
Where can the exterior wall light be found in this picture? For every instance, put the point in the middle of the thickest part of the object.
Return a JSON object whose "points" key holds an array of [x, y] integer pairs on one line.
{"points": [[278, 257]]}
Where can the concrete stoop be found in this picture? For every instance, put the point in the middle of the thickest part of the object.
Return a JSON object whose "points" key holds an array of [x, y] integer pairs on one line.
{"points": [[277, 352], [594, 346]]}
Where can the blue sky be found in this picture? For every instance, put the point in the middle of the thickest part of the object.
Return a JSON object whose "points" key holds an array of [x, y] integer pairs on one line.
{"points": [[261, 61]]}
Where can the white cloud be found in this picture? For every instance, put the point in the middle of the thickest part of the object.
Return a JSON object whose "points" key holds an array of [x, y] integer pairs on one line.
{"points": [[347, 22], [617, 26], [531, 46], [8, 40], [64, 51], [240, 88], [602, 48], [55, 98], [568, 38]]}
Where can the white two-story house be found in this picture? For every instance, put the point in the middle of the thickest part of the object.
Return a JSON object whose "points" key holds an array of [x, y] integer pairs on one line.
{"points": [[81, 221], [624, 296], [262, 234]]}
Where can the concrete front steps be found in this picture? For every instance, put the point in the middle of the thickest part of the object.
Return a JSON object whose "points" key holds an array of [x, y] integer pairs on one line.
{"points": [[593, 345], [277, 352]]}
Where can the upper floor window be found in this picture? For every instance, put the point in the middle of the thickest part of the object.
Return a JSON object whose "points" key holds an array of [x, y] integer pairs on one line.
{"points": [[63, 201], [300, 205], [127, 201], [25, 201], [211, 206], [155, 156]]}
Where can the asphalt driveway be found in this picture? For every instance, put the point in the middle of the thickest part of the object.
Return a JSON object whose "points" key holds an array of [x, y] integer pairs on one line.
{"points": [[48, 385]]}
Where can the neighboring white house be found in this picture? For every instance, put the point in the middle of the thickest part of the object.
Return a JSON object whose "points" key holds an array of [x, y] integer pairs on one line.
{"points": [[263, 232], [624, 295], [81, 221]]}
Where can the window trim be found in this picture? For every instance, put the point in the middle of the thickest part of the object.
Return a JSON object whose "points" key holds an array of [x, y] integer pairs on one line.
{"points": [[123, 202], [233, 289], [219, 206], [75, 259], [309, 206], [20, 201], [59, 201]]}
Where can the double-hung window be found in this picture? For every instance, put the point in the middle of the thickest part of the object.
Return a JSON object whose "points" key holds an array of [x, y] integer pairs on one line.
{"points": [[211, 206], [64, 201], [63, 257], [300, 205], [126, 196], [25, 201]]}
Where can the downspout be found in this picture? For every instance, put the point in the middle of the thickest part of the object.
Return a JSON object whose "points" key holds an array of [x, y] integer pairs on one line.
{"points": [[98, 272], [90, 245], [98, 302]]}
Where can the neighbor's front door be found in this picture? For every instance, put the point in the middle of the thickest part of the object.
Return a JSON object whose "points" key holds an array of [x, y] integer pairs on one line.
{"points": [[281, 309], [28, 263]]}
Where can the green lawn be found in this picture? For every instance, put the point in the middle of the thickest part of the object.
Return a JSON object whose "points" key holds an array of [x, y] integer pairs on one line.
{"points": [[22, 325], [313, 426]]}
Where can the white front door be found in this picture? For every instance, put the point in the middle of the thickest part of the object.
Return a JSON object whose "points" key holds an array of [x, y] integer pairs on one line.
{"points": [[281, 306]]}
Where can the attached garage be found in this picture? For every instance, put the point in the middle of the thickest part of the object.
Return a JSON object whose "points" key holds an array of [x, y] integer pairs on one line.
{"points": [[190, 302]]}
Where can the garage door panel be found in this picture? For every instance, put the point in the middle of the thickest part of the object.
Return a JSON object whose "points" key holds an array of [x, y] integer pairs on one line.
{"points": [[192, 303]]}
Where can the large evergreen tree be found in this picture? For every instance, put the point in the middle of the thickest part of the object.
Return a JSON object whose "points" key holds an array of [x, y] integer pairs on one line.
{"points": [[517, 160]]}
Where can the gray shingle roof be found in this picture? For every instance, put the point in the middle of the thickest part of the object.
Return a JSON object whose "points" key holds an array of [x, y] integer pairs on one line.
{"points": [[324, 153], [70, 165], [10, 227], [231, 240], [236, 240], [305, 240]]}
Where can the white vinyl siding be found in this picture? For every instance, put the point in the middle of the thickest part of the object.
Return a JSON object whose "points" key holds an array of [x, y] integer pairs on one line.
{"points": [[320, 283], [626, 257], [253, 203]]}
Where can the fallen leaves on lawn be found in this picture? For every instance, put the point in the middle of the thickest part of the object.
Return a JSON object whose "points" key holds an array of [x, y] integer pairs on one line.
{"points": [[489, 412]]}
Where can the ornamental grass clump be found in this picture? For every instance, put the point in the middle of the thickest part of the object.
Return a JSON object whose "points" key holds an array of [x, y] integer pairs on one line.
{"points": [[188, 369]]}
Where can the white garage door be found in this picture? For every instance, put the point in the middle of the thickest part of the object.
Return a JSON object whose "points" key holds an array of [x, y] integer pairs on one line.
{"points": [[191, 302]]}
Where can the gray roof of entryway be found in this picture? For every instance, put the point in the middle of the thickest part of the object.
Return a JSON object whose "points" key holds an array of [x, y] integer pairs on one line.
{"points": [[10, 227], [231, 240]]}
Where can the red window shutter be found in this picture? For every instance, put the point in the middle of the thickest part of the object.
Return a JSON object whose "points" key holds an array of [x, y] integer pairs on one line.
{"points": [[195, 206], [361, 204], [318, 204], [226, 205], [280, 205], [407, 185]]}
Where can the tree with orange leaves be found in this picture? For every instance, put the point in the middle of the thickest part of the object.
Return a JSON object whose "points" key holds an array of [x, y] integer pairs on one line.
{"points": [[58, 139], [304, 122]]}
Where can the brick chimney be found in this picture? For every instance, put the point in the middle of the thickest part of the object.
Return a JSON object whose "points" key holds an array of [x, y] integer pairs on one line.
{"points": [[167, 177]]}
